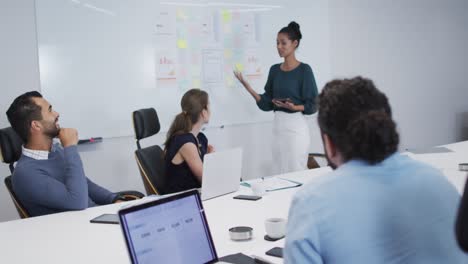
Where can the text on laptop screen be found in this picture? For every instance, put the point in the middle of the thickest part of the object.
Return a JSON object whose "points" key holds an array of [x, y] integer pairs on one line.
{"points": [[172, 232]]}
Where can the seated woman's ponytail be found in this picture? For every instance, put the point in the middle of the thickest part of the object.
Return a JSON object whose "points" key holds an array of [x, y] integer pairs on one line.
{"points": [[193, 103]]}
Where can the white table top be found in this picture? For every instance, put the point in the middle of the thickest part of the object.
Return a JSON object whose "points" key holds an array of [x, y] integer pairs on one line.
{"points": [[448, 162], [70, 238]]}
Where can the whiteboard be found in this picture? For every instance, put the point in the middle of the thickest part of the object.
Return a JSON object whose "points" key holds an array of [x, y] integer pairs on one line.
{"points": [[100, 60]]}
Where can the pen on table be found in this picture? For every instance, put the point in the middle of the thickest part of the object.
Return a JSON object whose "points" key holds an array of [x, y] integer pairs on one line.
{"points": [[260, 260]]}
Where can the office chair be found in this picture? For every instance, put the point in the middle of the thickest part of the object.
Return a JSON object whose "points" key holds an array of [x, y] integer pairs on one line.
{"points": [[312, 162], [150, 160], [10, 146], [10, 150], [19, 207]]}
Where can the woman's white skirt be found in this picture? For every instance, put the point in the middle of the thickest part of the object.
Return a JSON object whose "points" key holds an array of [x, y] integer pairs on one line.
{"points": [[291, 139]]}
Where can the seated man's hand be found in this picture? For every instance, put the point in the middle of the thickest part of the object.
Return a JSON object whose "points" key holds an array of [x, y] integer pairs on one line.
{"points": [[68, 136]]}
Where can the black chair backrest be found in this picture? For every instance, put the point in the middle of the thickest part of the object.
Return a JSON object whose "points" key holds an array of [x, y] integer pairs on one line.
{"points": [[151, 164], [19, 207], [10, 146], [145, 123]]}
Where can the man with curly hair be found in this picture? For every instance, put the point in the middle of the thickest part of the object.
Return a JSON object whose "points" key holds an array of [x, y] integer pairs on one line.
{"points": [[377, 206]]}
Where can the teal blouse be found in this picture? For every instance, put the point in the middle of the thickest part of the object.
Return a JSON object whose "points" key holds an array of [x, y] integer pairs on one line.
{"points": [[298, 85]]}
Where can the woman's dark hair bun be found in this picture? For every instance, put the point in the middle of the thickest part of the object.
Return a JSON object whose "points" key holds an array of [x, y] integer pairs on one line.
{"points": [[296, 28], [294, 32]]}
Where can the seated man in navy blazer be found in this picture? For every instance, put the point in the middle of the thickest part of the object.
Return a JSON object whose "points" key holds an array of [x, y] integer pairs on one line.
{"points": [[49, 178]]}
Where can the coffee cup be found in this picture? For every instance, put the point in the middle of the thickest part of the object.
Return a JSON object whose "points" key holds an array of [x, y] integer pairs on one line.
{"points": [[257, 189], [275, 227]]}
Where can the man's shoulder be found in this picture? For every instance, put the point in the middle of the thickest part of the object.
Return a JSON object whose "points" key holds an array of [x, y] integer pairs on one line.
{"points": [[416, 168], [320, 187], [27, 171], [24, 163], [30, 167]]}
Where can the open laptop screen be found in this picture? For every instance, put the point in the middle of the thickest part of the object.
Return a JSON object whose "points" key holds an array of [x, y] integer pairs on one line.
{"points": [[170, 230]]}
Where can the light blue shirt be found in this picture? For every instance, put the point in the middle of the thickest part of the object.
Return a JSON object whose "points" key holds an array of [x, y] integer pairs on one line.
{"points": [[398, 211]]}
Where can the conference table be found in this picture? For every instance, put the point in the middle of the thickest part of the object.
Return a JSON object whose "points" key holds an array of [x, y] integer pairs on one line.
{"points": [[70, 238]]}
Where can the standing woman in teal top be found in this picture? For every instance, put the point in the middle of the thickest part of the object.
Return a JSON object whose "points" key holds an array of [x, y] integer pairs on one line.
{"points": [[290, 92]]}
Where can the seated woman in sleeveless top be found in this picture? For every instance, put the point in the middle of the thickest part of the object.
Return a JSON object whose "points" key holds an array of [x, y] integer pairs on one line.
{"points": [[185, 145]]}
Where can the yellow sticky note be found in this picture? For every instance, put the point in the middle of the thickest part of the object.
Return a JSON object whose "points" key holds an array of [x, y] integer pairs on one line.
{"points": [[196, 83], [239, 67], [181, 43], [226, 15]]}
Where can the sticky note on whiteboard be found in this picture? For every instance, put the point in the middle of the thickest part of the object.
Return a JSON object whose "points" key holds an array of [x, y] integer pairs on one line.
{"points": [[180, 14], [239, 67], [196, 83], [181, 43], [226, 15]]}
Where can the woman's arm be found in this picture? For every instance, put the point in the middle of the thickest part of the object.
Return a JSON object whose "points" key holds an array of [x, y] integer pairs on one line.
{"points": [[246, 85], [309, 92], [189, 153], [264, 101]]}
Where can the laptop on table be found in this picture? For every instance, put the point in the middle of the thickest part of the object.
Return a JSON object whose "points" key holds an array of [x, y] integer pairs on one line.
{"points": [[169, 230], [221, 173]]}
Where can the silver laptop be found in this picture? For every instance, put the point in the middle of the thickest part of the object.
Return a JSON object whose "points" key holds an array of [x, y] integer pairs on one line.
{"points": [[169, 230], [221, 173]]}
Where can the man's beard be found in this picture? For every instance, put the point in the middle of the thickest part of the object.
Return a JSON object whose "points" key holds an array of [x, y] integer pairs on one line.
{"points": [[51, 129], [329, 163]]}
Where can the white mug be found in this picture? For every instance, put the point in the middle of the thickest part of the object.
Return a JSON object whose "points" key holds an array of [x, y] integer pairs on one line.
{"points": [[275, 227], [257, 188]]}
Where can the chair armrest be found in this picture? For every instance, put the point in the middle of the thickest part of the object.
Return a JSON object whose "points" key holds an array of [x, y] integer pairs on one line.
{"points": [[130, 195], [319, 155], [311, 162]]}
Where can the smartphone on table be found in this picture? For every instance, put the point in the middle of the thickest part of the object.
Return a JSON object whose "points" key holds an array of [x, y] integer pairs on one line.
{"points": [[275, 252], [248, 197]]}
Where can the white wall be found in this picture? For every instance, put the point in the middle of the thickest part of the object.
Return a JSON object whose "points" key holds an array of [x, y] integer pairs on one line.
{"points": [[19, 71], [414, 51]]}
